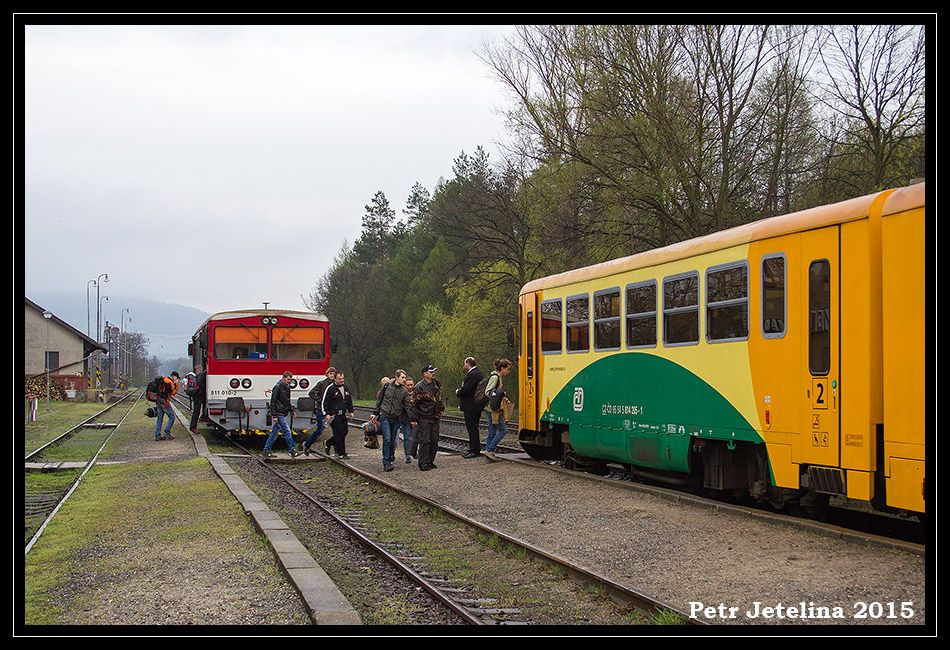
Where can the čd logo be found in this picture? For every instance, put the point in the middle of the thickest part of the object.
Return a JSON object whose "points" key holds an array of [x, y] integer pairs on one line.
{"points": [[578, 399]]}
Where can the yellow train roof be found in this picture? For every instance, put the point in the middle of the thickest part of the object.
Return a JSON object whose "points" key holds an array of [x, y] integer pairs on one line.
{"points": [[819, 217]]}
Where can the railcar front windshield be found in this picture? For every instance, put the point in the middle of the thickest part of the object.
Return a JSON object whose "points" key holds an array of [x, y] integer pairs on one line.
{"points": [[298, 343], [241, 342]]}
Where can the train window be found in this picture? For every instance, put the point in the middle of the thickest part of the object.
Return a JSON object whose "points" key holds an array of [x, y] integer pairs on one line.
{"points": [[578, 323], [641, 315], [819, 317], [607, 319], [727, 302], [773, 296], [551, 326], [240, 343], [681, 309], [297, 343]]}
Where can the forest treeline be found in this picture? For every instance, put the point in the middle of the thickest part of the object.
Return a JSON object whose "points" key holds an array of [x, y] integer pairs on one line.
{"points": [[623, 138]]}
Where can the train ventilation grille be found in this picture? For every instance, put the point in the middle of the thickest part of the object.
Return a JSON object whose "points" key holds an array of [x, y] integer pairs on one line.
{"points": [[828, 480]]}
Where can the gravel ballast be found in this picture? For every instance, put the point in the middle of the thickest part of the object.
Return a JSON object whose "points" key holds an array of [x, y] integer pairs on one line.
{"points": [[678, 553]]}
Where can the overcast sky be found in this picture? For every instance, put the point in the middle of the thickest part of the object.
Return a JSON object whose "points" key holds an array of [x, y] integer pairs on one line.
{"points": [[246, 152]]}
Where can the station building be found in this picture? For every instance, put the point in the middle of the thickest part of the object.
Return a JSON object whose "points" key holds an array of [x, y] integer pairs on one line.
{"points": [[68, 350]]}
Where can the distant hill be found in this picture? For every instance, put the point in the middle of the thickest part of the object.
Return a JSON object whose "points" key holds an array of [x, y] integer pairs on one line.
{"points": [[168, 326]]}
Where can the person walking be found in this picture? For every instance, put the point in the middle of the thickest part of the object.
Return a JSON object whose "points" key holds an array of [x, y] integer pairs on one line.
{"points": [[495, 391], [471, 410], [167, 389], [198, 399], [337, 404], [280, 407], [391, 404], [425, 410], [410, 446], [316, 394]]}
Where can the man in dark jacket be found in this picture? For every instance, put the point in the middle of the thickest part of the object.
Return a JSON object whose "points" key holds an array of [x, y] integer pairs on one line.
{"points": [[392, 404], [316, 394], [280, 407], [426, 408], [471, 410], [337, 404], [198, 399]]}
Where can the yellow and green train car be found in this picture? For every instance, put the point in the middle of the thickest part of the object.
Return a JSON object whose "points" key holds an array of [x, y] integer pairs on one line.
{"points": [[783, 358]]}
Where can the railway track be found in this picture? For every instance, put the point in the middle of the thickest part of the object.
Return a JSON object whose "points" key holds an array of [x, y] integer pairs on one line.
{"points": [[89, 422], [45, 500], [471, 608]]}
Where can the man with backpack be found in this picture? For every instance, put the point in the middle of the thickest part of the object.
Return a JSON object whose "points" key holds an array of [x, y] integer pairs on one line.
{"points": [[166, 388], [195, 387], [391, 406], [471, 403]]}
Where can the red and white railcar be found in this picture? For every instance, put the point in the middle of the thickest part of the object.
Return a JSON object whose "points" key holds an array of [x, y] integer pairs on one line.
{"points": [[246, 352]]}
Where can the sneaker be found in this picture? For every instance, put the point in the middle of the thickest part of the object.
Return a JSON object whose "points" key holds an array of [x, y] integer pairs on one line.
{"points": [[433, 466], [294, 453], [169, 437], [425, 468], [269, 454], [471, 454], [327, 445], [306, 450], [490, 455], [408, 460], [157, 438], [387, 468], [343, 456]]}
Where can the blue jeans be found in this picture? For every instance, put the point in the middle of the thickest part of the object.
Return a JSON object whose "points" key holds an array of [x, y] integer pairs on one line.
{"points": [[280, 423], [495, 432], [163, 410], [390, 429], [321, 425]]}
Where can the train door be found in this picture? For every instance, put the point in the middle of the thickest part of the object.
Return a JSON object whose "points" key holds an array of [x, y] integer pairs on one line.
{"points": [[528, 370], [820, 348]]}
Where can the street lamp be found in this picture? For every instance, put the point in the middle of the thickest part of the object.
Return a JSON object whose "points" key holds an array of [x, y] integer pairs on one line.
{"points": [[88, 326], [98, 325], [124, 343], [99, 331], [47, 315]]}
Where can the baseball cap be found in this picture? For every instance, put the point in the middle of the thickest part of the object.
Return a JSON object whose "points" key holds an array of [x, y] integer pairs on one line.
{"points": [[429, 368]]}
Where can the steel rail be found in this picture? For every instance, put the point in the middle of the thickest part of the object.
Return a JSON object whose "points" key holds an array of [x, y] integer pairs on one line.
{"points": [[617, 592], [69, 432], [364, 540], [75, 484]]}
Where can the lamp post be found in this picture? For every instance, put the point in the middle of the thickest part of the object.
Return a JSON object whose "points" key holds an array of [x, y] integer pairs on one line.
{"points": [[47, 315], [98, 325], [99, 334], [124, 342], [88, 325]]}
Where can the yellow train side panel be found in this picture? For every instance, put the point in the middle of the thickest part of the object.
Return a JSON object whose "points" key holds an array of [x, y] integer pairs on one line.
{"points": [[904, 332], [862, 407]]}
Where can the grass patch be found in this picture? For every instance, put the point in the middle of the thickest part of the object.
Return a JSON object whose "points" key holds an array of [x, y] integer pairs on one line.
{"points": [[142, 517], [666, 617]]}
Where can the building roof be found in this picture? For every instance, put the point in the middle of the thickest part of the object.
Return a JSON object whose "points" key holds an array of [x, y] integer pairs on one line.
{"points": [[89, 343]]}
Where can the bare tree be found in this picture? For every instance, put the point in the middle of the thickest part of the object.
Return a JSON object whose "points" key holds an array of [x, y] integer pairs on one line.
{"points": [[874, 82]]}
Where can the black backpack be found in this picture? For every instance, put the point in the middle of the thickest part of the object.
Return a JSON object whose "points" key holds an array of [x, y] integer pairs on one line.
{"points": [[152, 389], [479, 397]]}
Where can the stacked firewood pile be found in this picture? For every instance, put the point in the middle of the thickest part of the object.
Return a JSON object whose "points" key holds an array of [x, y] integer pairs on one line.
{"points": [[36, 387]]}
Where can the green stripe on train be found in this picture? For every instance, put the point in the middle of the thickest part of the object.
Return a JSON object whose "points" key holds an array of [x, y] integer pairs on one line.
{"points": [[646, 410]]}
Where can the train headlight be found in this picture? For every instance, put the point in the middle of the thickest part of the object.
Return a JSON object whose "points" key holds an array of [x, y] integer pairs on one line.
{"points": [[265, 320], [304, 383], [234, 383], [246, 383], [293, 383]]}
